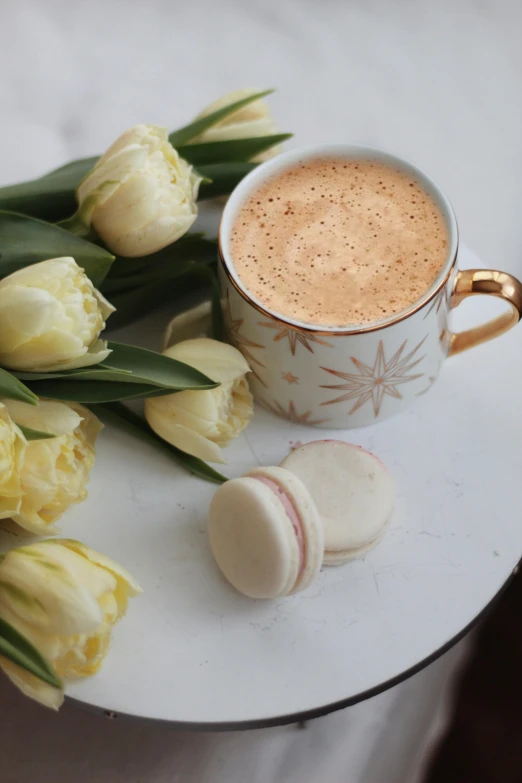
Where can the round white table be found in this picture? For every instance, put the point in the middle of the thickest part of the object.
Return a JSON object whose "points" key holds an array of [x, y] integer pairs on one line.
{"points": [[196, 654], [435, 83]]}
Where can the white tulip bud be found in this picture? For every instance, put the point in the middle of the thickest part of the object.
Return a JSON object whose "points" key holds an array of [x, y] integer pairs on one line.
{"points": [[252, 121], [200, 422], [64, 598], [51, 317], [140, 196], [51, 474]]}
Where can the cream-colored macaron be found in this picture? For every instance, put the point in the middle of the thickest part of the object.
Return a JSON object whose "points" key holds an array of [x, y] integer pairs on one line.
{"points": [[265, 533], [353, 491]]}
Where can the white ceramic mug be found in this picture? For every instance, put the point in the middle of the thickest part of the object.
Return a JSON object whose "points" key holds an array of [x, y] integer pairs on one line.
{"points": [[353, 376]]}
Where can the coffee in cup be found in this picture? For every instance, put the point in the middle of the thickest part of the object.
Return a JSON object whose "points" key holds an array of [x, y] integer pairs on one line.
{"points": [[339, 242]]}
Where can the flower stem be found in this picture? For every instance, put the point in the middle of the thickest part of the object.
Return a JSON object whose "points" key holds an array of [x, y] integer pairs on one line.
{"points": [[75, 225]]}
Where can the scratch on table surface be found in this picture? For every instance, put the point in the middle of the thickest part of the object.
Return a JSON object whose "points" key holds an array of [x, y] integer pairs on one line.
{"points": [[401, 467], [345, 622], [252, 450]]}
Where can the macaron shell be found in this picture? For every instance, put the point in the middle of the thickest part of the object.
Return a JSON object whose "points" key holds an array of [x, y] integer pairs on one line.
{"points": [[311, 523], [333, 557], [252, 539], [353, 491]]}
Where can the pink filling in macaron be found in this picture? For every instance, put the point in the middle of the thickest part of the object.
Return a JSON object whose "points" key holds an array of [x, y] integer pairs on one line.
{"points": [[291, 513]]}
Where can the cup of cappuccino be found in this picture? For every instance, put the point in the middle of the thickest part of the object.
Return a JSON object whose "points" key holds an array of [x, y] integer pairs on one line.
{"points": [[338, 268]]}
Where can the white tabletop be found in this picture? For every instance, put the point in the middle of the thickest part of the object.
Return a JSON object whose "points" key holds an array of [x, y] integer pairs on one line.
{"points": [[194, 653], [436, 82]]}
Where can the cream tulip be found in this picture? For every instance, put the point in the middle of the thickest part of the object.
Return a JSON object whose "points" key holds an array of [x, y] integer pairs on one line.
{"points": [[64, 598], [51, 474], [200, 422], [13, 446], [51, 317], [140, 196], [252, 121], [194, 322]]}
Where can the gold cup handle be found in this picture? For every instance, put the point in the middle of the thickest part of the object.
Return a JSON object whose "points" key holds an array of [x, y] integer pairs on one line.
{"points": [[472, 282]]}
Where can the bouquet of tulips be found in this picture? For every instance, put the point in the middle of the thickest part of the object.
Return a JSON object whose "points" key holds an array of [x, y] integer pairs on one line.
{"points": [[104, 238]]}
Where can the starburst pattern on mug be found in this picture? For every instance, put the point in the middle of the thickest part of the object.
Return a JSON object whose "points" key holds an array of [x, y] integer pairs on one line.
{"points": [[441, 298], [375, 382], [289, 378], [294, 336], [234, 328], [291, 414]]}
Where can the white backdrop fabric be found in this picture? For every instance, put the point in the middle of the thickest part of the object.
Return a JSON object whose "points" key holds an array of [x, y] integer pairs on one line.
{"points": [[438, 83]]}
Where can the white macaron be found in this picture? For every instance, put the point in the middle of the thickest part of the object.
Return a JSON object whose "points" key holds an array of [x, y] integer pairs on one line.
{"points": [[266, 533], [353, 491]]}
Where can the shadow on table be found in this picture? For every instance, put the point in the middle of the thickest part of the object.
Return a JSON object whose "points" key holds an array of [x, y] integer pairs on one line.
{"points": [[483, 742]]}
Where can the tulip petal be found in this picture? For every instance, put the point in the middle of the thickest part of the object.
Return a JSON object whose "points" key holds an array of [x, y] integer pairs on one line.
{"points": [[105, 306], [106, 177], [25, 313], [50, 416], [105, 562], [148, 136], [51, 317], [145, 214], [67, 588], [31, 686], [199, 411], [13, 447], [188, 440], [188, 325], [242, 130], [219, 361]]}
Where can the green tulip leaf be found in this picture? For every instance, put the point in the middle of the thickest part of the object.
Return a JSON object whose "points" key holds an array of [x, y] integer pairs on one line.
{"points": [[167, 264], [224, 178], [123, 417], [51, 197], [17, 649], [156, 369], [136, 303], [129, 373], [234, 150], [89, 392], [25, 240], [193, 129], [72, 172], [13, 389]]}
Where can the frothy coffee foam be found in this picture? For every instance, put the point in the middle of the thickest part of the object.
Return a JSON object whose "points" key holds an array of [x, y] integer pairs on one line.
{"points": [[339, 242]]}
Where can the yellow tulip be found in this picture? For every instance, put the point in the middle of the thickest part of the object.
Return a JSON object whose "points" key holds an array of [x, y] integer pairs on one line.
{"points": [[51, 317], [252, 121], [13, 446], [64, 598], [140, 196], [200, 422], [50, 475]]}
